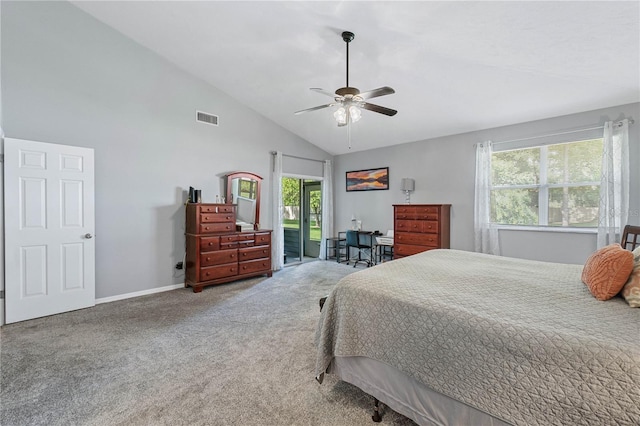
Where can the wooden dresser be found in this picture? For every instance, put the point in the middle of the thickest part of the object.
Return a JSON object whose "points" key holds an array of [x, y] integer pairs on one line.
{"points": [[216, 253], [420, 227]]}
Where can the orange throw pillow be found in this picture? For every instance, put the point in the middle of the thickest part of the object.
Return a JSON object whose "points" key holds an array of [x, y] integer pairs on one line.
{"points": [[607, 270]]}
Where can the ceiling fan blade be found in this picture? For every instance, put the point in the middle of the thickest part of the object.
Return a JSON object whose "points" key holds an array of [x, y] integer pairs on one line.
{"points": [[380, 91], [380, 109], [314, 108], [324, 92]]}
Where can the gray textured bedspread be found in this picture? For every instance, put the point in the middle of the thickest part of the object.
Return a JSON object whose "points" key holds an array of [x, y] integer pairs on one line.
{"points": [[521, 340]]}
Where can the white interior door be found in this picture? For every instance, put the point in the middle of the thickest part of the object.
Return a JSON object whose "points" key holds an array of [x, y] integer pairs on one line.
{"points": [[49, 226]]}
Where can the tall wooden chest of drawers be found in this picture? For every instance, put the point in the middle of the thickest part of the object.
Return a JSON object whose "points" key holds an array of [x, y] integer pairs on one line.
{"points": [[216, 253], [420, 227]]}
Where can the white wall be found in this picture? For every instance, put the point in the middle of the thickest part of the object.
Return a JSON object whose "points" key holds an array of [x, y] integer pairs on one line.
{"points": [[1, 185], [69, 79], [444, 171]]}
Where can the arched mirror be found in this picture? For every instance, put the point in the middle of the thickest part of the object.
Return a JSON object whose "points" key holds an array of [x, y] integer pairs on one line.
{"points": [[243, 189]]}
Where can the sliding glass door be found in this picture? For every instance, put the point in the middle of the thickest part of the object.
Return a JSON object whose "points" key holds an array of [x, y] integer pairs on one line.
{"points": [[312, 213], [291, 190], [302, 219]]}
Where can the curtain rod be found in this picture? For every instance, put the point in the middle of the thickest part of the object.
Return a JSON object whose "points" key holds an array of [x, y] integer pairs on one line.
{"points": [[617, 123], [299, 158]]}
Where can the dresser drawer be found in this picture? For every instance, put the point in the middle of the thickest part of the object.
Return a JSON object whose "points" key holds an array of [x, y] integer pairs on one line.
{"points": [[236, 240], [406, 210], [427, 212], [210, 228], [417, 212], [216, 208], [418, 216], [253, 253], [429, 240], [254, 266], [429, 226], [408, 226], [221, 271], [226, 239], [263, 238], [408, 249], [209, 243], [218, 257], [216, 217]]}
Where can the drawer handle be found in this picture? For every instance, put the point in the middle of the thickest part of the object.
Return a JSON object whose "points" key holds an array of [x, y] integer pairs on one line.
{"points": [[244, 254], [207, 274], [228, 227], [210, 244], [208, 258], [264, 252], [206, 228], [230, 269], [244, 267]]}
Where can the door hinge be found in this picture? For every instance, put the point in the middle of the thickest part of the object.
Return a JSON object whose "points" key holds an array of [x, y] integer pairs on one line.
{"points": [[1, 294]]}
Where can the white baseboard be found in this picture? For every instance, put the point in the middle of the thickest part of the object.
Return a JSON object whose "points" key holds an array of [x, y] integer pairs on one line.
{"points": [[138, 293], [113, 298]]}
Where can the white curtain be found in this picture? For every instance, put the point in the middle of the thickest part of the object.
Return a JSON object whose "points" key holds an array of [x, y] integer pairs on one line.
{"points": [[277, 248], [327, 208], [614, 182], [485, 233]]}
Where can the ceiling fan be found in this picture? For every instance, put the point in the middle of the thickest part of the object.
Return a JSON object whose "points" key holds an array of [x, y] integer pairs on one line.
{"points": [[351, 99]]}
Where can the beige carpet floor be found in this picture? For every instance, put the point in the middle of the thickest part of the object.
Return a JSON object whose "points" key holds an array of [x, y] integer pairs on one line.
{"points": [[235, 354]]}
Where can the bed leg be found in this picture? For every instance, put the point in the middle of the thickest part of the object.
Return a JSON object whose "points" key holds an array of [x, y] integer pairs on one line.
{"points": [[376, 411], [322, 300]]}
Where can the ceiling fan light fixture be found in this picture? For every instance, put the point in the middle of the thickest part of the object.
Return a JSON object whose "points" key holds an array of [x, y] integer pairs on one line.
{"points": [[350, 114], [350, 100], [354, 113]]}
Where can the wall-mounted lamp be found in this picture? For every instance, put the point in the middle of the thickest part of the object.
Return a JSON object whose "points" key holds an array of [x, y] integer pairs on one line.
{"points": [[408, 185]]}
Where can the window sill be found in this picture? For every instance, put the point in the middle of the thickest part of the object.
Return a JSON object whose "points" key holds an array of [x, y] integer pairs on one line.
{"points": [[547, 229]]}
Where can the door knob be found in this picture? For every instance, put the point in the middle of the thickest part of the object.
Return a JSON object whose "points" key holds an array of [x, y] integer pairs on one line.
{"points": [[88, 236]]}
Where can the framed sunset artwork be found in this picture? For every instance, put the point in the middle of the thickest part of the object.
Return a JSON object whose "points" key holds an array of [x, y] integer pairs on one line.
{"points": [[368, 180]]}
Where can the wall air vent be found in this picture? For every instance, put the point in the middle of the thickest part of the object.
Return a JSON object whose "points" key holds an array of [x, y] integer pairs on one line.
{"points": [[205, 117]]}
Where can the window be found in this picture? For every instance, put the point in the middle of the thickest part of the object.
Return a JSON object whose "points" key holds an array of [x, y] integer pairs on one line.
{"points": [[552, 185]]}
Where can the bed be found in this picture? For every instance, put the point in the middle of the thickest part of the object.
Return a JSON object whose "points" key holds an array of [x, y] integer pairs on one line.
{"points": [[454, 337]]}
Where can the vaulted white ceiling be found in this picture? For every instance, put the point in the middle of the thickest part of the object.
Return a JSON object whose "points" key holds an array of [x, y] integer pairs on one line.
{"points": [[455, 66]]}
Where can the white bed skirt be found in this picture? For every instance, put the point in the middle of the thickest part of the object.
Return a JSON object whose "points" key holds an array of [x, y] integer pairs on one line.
{"points": [[406, 395]]}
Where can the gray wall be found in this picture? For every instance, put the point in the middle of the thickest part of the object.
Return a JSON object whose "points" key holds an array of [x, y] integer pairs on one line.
{"points": [[444, 171], [69, 79], [1, 185]]}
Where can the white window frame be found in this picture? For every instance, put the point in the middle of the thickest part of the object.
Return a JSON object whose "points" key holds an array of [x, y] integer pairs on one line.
{"points": [[543, 192]]}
